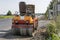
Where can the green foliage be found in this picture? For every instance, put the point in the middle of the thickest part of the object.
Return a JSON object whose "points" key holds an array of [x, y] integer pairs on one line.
{"points": [[9, 13], [51, 28], [55, 36], [51, 31], [51, 5], [46, 13], [1, 17]]}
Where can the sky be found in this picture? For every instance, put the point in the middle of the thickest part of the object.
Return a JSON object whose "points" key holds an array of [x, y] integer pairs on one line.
{"points": [[13, 5]]}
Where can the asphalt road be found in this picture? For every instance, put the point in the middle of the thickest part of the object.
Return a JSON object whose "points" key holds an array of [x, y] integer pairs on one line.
{"points": [[5, 26]]}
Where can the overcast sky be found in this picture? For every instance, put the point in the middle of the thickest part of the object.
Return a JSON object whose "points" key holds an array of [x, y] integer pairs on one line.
{"points": [[13, 5]]}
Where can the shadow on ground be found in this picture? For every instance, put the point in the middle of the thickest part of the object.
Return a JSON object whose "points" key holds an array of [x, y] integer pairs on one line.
{"points": [[8, 35]]}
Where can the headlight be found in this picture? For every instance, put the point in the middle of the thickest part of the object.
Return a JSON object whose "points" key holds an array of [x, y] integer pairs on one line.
{"points": [[16, 21]]}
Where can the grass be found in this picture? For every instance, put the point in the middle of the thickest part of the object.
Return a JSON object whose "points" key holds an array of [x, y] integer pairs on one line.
{"points": [[3, 17]]}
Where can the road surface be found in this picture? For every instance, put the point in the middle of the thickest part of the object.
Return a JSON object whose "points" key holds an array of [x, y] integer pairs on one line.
{"points": [[5, 26]]}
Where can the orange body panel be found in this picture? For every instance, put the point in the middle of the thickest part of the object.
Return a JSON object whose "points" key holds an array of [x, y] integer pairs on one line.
{"points": [[29, 18], [16, 18], [26, 18]]}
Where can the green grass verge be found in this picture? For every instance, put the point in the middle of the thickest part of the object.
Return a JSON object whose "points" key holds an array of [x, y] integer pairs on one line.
{"points": [[3, 17]]}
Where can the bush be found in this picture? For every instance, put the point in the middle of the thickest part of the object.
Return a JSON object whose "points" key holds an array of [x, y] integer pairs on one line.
{"points": [[51, 31], [55, 36], [51, 27]]}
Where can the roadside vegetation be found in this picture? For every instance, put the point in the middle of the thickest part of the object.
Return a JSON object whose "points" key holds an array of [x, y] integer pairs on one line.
{"points": [[8, 15], [58, 24], [52, 31], [3, 17], [58, 20]]}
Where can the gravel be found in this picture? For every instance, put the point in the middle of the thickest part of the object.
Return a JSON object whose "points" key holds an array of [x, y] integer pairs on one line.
{"points": [[39, 35]]}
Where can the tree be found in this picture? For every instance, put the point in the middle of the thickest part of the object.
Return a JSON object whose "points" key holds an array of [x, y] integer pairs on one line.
{"points": [[9, 13]]}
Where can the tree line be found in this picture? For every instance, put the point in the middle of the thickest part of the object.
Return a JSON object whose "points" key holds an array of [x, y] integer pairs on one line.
{"points": [[9, 13]]}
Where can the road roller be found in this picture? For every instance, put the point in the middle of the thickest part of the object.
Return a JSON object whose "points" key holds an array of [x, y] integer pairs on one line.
{"points": [[26, 22]]}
